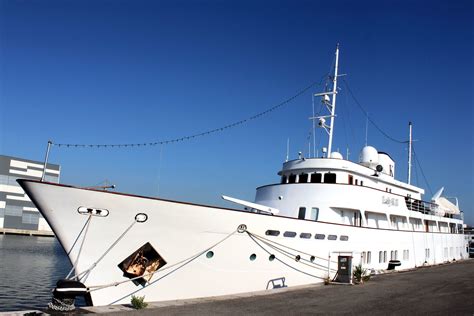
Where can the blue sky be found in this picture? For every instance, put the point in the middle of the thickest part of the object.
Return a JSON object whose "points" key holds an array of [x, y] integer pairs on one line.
{"points": [[142, 71]]}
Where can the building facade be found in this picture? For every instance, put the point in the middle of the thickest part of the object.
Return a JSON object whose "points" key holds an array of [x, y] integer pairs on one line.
{"points": [[17, 212]]}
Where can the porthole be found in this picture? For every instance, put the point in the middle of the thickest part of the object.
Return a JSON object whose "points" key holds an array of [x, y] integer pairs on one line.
{"points": [[297, 258], [289, 234], [253, 257], [305, 235], [271, 258], [319, 236], [271, 232], [312, 258], [332, 237], [210, 254]]}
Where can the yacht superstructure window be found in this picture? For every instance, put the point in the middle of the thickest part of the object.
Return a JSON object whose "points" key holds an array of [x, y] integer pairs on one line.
{"points": [[345, 238], [314, 213], [319, 236], [292, 178], [302, 213], [332, 237], [289, 234], [330, 178], [316, 178], [351, 179], [303, 178], [283, 179]]}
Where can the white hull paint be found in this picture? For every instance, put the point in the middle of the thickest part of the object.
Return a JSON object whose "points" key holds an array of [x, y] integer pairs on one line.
{"points": [[180, 230]]}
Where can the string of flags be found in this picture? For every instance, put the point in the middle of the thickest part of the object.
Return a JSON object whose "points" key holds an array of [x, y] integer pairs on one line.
{"points": [[189, 137]]}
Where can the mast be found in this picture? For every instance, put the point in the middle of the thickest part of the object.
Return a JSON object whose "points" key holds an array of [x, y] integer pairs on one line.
{"points": [[333, 104], [330, 104], [409, 153]]}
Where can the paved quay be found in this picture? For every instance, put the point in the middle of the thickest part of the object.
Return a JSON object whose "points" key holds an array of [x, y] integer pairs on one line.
{"points": [[439, 290]]}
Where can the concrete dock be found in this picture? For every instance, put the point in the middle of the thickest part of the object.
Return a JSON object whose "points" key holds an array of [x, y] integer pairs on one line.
{"points": [[26, 232], [446, 289]]}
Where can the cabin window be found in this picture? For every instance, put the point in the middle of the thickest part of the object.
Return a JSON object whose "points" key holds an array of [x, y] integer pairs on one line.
{"points": [[344, 238], [302, 213], [330, 178], [369, 256], [385, 256], [363, 258], [332, 237], [305, 235], [289, 234], [283, 179], [316, 178], [351, 179], [356, 181], [303, 178], [380, 256], [314, 213], [361, 182], [319, 236], [271, 232], [292, 178]]}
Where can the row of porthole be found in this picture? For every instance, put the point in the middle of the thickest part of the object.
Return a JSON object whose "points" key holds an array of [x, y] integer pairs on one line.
{"points": [[291, 234], [253, 256]]}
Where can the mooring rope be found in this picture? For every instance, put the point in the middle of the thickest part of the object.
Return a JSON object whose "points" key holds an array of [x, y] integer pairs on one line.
{"points": [[182, 263], [293, 256], [281, 261], [299, 251], [88, 270], [85, 228]]}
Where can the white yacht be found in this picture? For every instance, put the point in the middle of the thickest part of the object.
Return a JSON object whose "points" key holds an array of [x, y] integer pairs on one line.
{"points": [[324, 216]]}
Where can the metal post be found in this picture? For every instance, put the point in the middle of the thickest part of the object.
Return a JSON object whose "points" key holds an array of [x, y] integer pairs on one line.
{"points": [[329, 263], [46, 160]]}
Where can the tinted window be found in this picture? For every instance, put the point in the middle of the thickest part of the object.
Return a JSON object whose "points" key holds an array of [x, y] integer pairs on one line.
{"points": [[283, 179], [344, 238], [332, 237], [314, 213], [302, 213], [272, 232], [316, 178], [319, 236], [292, 178], [289, 234], [303, 178], [330, 178]]}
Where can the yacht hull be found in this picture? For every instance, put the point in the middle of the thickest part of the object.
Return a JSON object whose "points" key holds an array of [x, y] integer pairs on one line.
{"points": [[209, 251]]}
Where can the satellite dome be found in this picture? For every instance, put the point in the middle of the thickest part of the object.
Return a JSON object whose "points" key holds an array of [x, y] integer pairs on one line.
{"points": [[336, 155], [369, 157]]}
